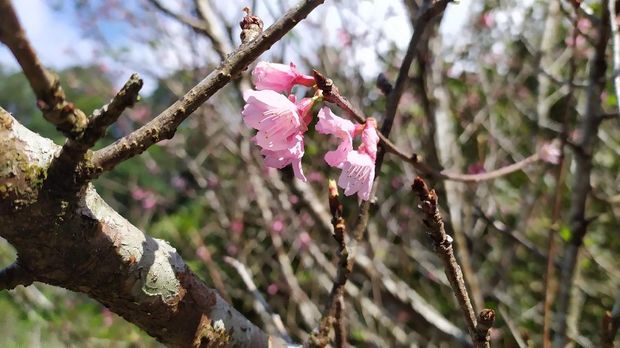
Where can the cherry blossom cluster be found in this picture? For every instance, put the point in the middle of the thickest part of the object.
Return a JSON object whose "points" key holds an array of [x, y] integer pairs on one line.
{"points": [[281, 122]]}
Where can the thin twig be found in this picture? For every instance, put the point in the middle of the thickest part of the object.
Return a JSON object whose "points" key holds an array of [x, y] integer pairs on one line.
{"points": [[46, 85], [550, 280], [331, 94], [14, 275], [615, 31], [320, 338], [443, 247], [62, 172], [486, 318], [165, 124], [261, 306], [340, 327], [201, 26], [610, 325]]}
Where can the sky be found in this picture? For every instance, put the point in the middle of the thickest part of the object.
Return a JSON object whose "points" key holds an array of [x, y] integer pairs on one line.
{"points": [[60, 43]]}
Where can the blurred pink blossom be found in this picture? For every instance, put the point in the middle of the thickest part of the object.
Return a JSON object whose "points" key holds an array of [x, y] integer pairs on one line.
{"points": [[147, 198], [550, 152], [232, 249], [277, 225], [476, 168], [303, 240], [178, 183], [272, 289], [108, 317], [237, 226]]}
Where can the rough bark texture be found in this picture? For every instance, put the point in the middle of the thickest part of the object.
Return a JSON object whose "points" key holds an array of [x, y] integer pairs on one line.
{"points": [[84, 245]]}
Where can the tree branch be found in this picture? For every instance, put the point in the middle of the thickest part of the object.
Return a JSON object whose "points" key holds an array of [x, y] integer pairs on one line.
{"points": [[320, 338], [14, 275], [46, 85], [85, 246], [584, 152], [165, 124], [332, 94], [64, 169], [615, 30], [443, 247], [203, 26]]}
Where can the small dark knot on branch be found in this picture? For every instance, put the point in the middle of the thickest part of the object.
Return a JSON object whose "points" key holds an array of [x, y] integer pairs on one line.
{"points": [[486, 318], [384, 84], [251, 26], [323, 83]]}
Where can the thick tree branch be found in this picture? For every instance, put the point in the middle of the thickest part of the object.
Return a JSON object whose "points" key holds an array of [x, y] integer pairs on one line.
{"points": [[165, 124], [85, 246], [62, 173], [14, 275], [46, 85], [443, 247]]}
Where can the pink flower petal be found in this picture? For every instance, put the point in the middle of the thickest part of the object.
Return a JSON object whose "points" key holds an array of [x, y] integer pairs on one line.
{"points": [[274, 116], [292, 155], [370, 138], [278, 77], [358, 173], [329, 123]]}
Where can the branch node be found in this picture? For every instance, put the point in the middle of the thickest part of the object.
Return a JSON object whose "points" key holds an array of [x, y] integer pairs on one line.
{"points": [[251, 26]]}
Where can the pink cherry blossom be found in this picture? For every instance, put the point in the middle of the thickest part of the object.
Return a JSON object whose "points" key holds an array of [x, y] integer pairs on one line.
{"points": [[329, 123], [274, 116], [358, 166], [282, 158], [279, 77], [281, 123], [358, 170]]}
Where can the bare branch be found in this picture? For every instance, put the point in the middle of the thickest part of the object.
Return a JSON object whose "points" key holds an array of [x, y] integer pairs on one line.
{"points": [[443, 247], [203, 26], [62, 173], [165, 124], [486, 318], [320, 338], [46, 85], [14, 275], [615, 30]]}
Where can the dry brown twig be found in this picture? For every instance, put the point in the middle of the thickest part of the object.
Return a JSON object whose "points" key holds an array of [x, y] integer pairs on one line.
{"points": [[332, 313], [46, 86], [442, 243]]}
